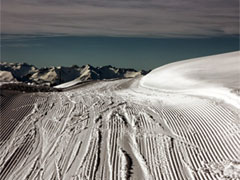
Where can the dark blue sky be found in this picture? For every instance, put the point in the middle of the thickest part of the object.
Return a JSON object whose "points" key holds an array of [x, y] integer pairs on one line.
{"points": [[139, 53]]}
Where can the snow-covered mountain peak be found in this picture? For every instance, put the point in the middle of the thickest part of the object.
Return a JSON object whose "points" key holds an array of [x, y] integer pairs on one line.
{"points": [[24, 72]]}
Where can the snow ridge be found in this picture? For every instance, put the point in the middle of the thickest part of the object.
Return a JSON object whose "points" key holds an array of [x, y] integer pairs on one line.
{"points": [[24, 72]]}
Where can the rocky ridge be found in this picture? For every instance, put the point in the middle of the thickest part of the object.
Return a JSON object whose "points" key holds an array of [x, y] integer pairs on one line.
{"points": [[23, 72]]}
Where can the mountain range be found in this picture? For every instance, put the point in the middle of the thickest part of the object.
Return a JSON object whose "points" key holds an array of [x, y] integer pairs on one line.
{"points": [[23, 72]]}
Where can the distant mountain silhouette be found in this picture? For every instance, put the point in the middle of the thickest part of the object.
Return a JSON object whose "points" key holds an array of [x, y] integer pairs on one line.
{"points": [[24, 72]]}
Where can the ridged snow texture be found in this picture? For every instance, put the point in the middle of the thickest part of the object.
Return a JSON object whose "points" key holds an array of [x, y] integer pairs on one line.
{"points": [[104, 131]]}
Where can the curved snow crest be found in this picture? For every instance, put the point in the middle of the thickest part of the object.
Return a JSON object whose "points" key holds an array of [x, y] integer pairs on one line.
{"points": [[216, 76]]}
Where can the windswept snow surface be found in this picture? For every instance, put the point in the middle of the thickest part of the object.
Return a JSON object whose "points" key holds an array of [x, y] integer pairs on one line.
{"points": [[68, 84], [213, 76], [114, 130]]}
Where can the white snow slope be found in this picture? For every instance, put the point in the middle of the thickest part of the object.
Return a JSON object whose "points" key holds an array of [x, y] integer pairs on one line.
{"points": [[213, 76], [130, 129], [6, 76]]}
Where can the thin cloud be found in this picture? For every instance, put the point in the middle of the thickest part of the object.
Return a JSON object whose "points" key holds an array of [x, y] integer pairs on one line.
{"points": [[161, 18], [20, 45]]}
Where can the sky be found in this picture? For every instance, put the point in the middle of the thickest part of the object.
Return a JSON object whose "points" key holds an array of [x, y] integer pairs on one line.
{"points": [[141, 34]]}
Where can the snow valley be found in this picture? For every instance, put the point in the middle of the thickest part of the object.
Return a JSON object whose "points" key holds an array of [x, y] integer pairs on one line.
{"points": [[180, 121]]}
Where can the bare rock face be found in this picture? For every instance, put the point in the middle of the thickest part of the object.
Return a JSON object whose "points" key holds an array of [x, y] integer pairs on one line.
{"points": [[24, 72]]}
